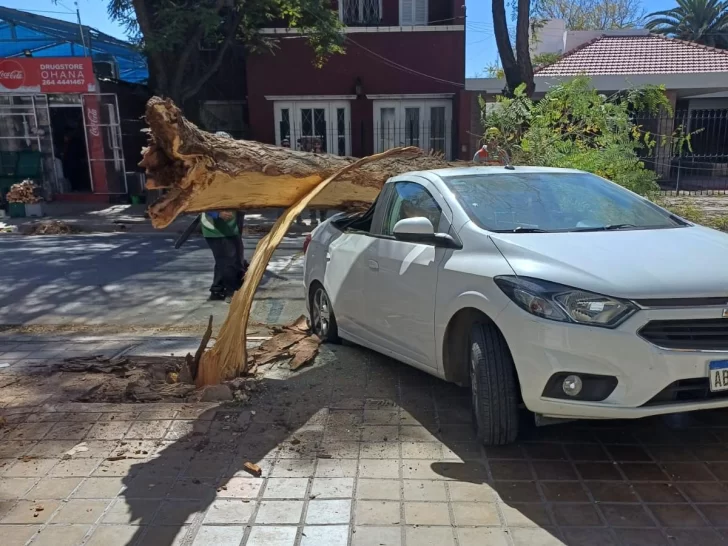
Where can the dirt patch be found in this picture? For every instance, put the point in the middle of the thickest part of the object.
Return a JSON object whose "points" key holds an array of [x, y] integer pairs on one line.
{"points": [[51, 227], [142, 379], [254, 329]]}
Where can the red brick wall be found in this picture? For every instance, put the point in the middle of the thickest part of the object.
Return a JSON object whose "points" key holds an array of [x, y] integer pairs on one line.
{"points": [[290, 71]]}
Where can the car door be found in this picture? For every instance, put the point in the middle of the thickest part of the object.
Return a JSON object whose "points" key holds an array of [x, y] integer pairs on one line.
{"points": [[403, 275], [346, 280]]}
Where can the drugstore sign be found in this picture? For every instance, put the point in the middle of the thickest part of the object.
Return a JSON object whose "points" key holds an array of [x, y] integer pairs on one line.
{"points": [[47, 75]]}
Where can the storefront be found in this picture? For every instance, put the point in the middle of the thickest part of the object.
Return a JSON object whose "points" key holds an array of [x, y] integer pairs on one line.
{"points": [[56, 128]]}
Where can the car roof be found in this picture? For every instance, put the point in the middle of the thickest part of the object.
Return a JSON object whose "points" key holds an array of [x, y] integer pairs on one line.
{"points": [[490, 170]]}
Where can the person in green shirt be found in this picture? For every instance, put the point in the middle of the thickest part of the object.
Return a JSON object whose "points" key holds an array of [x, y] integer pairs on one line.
{"points": [[221, 230]]}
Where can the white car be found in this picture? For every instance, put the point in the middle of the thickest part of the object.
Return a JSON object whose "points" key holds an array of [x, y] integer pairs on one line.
{"points": [[550, 288]]}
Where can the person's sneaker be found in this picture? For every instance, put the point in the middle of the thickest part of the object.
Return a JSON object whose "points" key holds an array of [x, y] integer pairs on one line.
{"points": [[215, 296], [228, 299]]}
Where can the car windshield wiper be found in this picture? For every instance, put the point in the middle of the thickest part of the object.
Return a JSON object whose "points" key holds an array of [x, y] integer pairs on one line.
{"points": [[524, 230], [610, 227]]}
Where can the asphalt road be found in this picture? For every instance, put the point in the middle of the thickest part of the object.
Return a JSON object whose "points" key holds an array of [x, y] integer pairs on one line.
{"points": [[132, 280]]}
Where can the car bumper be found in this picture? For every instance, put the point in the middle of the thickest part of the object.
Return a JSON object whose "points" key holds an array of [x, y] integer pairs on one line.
{"points": [[541, 348]]}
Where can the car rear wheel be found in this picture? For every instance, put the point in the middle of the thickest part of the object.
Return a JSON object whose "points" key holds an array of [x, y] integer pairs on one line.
{"points": [[323, 320], [493, 386]]}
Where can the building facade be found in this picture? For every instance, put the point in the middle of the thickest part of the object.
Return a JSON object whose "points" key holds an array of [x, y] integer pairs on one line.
{"points": [[400, 82]]}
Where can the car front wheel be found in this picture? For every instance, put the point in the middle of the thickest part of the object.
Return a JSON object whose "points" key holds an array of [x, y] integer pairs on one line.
{"points": [[323, 320], [493, 386]]}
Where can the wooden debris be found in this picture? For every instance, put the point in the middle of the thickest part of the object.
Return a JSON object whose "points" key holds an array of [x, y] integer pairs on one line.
{"points": [[50, 227], [254, 469], [304, 352], [24, 192], [93, 364]]}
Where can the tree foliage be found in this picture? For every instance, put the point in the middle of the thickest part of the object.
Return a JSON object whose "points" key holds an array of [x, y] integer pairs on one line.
{"points": [[185, 41], [702, 21], [574, 126], [591, 14]]}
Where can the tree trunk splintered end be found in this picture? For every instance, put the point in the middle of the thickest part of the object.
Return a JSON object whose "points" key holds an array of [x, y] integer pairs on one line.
{"points": [[201, 172]]}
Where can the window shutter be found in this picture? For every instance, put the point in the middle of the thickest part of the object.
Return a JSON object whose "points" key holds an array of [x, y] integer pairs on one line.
{"points": [[406, 12], [420, 12]]}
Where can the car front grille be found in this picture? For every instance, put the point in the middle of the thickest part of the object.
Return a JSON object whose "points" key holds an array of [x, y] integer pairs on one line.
{"points": [[688, 334], [686, 390]]}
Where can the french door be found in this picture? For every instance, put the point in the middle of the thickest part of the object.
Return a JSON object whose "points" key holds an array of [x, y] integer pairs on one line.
{"points": [[314, 126], [426, 124]]}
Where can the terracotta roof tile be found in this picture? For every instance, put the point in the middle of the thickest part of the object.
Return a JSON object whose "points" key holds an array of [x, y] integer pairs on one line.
{"points": [[653, 54]]}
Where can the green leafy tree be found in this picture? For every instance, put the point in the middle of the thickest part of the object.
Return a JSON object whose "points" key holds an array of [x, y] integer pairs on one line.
{"points": [[574, 126], [701, 21], [186, 41], [591, 14]]}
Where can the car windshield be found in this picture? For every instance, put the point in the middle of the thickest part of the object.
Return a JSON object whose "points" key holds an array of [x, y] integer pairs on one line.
{"points": [[531, 202]]}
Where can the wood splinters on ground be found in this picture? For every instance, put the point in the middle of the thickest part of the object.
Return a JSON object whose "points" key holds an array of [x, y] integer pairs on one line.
{"points": [[293, 341], [254, 469]]}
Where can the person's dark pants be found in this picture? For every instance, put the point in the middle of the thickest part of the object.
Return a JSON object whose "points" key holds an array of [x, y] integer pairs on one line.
{"points": [[228, 275]]}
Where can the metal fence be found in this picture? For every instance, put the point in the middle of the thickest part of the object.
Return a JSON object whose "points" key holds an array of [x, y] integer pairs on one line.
{"points": [[691, 150], [361, 139]]}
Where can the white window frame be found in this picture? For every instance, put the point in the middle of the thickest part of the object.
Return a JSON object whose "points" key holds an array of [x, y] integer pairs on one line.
{"points": [[408, 12], [400, 105], [331, 106]]}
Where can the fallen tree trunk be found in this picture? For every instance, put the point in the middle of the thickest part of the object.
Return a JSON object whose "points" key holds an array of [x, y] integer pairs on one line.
{"points": [[202, 172]]}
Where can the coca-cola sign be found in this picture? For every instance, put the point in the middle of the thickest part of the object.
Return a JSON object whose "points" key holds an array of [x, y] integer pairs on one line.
{"points": [[12, 75]]}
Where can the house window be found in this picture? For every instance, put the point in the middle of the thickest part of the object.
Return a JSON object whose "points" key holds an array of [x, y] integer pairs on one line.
{"points": [[222, 115], [412, 12], [314, 126], [360, 12], [426, 124]]}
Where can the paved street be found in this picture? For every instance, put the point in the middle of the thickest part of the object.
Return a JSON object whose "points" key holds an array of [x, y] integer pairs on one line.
{"points": [[131, 280]]}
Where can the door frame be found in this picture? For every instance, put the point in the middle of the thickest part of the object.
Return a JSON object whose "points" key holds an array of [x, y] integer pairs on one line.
{"points": [[400, 106], [294, 108]]}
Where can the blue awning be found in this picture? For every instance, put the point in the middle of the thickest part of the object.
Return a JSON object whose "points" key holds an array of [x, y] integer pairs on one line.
{"points": [[46, 37]]}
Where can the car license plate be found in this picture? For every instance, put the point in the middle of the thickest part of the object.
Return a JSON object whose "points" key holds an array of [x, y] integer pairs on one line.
{"points": [[718, 373]]}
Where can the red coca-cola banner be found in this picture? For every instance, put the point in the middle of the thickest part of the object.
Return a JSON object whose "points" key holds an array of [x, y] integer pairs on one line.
{"points": [[95, 141], [47, 75]]}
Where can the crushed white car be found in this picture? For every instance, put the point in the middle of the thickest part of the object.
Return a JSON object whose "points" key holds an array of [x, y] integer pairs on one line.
{"points": [[549, 288]]}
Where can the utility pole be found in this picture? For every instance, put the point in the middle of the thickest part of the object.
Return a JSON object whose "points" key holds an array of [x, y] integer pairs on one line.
{"points": [[86, 52]]}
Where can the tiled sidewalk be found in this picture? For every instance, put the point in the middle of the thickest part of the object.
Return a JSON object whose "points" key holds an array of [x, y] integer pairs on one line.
{"points": [[357, 450]]}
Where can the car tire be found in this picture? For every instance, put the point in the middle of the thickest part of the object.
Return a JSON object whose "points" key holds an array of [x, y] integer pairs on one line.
{"points": [[323, 320], [494, 390]]}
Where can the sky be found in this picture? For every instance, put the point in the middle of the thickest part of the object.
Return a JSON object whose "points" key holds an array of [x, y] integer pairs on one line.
{"points": [[480, 49]]}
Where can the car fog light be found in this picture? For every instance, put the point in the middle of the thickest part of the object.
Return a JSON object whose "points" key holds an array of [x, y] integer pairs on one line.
{"points": [[572, 385]]}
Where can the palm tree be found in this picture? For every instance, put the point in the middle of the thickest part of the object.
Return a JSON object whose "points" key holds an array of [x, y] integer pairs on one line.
{"points": [[701, 21]]}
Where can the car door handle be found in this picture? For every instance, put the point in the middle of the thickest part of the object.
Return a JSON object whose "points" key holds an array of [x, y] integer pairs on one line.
{"points": [[328, 256], [374, 266]]}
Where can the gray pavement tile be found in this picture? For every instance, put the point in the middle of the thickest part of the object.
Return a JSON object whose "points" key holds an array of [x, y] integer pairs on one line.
{"points": [[18, 535], [31, 512], [430, 536], [113, 535], [81, 511], [220, 536], [229, 511], [327, 535], [328, 512], [61, 535], [272, 536], [279, 512]]}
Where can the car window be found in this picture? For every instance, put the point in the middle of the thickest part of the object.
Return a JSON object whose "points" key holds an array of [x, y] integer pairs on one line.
{"points": [[410, 200], [554, 201]]}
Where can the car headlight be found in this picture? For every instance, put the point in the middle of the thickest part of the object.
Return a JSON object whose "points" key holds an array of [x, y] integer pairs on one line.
{"points": [[565, 304]]}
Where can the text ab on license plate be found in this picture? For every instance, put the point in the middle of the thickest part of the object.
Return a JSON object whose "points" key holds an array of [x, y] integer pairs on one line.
{"points": [[718, 373]]}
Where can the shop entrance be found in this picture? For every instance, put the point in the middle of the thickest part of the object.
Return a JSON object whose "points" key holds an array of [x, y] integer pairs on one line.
{"points": [[69, 142]]}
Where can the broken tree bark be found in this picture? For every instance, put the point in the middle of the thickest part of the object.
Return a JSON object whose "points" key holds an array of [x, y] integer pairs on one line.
{"points": [[202, 172]]}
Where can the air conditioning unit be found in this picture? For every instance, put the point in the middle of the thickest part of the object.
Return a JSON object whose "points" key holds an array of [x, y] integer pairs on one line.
{"points": [[106, 69]]}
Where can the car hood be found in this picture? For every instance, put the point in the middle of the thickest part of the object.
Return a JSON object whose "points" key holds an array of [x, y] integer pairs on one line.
{"points": [[686, 262]]}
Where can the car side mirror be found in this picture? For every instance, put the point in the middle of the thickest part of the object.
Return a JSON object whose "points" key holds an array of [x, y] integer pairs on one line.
{"points": [[420, 230], [414, 228]]}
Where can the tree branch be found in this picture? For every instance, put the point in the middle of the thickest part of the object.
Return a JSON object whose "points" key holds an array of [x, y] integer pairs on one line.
{"points": [[190, 92], [147, 28], [192, 43]]}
